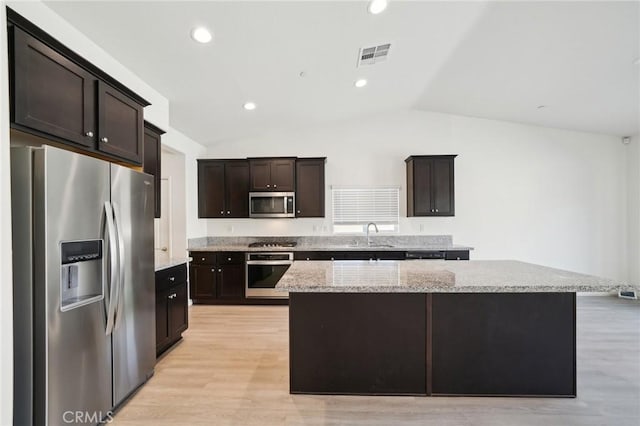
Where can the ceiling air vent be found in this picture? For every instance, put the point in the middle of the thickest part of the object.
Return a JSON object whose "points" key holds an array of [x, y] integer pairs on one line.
{"points": [[373, 55]]}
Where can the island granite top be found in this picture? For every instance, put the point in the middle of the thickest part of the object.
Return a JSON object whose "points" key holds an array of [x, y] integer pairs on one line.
{"points": [[437, 276]]}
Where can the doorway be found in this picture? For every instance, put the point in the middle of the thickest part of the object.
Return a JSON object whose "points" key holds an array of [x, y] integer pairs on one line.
{"points": [[163, 245]]}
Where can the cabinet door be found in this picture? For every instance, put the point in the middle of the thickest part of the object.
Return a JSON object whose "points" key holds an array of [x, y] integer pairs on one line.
{"points": [[211, 189], [310, 188], [260, 172], [442, 197], [163, 335], [203, 280], [283, 175], [151, 163], [422, 203], [231, 284], [178, 314], [120, 121], [51, 94], [237, 188]]}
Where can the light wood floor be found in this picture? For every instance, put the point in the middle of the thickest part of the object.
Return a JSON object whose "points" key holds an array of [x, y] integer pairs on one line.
{"points": [[232, 369]]}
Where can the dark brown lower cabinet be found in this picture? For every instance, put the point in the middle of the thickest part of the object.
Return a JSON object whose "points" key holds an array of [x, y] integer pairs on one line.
{"points": [[217, 277], [231, 282], [489, 344], [172, 316], [202, 281]]}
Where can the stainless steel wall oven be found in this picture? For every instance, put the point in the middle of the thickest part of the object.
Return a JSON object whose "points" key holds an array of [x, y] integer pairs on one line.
{"points": [[264, 270]]}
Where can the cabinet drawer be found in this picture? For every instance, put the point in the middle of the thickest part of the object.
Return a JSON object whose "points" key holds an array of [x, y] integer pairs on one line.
{"points": [[203, 258], [318, 255], [230, 258], [457, 255], [171, 276]]}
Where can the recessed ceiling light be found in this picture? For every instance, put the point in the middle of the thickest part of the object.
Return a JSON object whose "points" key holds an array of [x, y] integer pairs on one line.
{"points": [[377, 6], [249, 106], [201, 35], [541, 106], [360, 83]]}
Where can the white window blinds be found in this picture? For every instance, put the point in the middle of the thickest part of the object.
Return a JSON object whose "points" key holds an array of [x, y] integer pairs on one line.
{"points": [[358, 206]]}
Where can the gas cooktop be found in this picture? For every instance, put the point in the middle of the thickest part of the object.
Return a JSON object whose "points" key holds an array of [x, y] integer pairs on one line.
{"points": [[274, 244]]}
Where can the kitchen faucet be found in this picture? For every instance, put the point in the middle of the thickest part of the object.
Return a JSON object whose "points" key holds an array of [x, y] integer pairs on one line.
{"points": [[368, 225]]}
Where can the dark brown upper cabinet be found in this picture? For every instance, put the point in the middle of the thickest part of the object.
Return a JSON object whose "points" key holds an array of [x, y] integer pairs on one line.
{"points": [[50, 93], [272, 174], [120, 122], [58, 95], [430, 185], [223, 188], [310, 187], [152, 159]]}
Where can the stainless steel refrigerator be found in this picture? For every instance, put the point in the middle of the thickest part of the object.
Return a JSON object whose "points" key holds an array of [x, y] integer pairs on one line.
{"points": [[84, 298]]}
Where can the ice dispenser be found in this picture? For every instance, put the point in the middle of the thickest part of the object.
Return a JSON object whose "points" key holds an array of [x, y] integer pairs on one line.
{"points": [[81, 279]]}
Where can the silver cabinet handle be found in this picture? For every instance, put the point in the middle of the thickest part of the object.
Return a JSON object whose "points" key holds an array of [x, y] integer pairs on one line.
{"points": [[203, 259], [228, 211], [436, 210], [298, 211], [89, 134], [268, 186], [105, 140], [172, 278], [219, 270], [213, 270], [229, 259], [275, 186], [164, 249]]}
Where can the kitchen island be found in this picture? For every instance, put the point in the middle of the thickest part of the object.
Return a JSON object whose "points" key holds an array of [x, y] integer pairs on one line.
{"points": [[434, 327]]}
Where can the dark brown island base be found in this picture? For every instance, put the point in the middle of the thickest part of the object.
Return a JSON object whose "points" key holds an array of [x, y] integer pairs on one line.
{"points": [[434, 327]]}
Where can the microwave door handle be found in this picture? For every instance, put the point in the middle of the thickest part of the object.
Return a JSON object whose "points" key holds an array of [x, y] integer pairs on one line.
{"points": [[284, 209]]}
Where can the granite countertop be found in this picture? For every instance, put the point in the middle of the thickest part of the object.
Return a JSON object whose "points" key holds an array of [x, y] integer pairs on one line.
{"points": [[436, 276], [165, 264], [246, 248], [329, 243]]}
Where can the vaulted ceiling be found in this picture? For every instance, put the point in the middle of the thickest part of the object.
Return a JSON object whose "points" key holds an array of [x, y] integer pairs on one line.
{"points": [[570, 65]]}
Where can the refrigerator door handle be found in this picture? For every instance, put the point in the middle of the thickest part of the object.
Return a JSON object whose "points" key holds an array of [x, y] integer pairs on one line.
{"points": [[121, 259], [113, 263]]}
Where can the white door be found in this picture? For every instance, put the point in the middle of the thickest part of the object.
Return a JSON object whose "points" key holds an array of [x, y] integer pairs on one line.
{"points": [[163, 225]]}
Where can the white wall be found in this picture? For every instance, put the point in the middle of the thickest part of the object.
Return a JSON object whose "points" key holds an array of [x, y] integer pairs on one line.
{"points": [[541, 195], [6, 288], [633, 220]]}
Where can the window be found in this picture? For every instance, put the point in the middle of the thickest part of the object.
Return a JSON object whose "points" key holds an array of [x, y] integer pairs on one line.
{"points": [[354, 208]]}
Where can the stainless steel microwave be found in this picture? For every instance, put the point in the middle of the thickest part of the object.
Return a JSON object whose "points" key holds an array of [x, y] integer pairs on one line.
{"points": [[271, 204]]}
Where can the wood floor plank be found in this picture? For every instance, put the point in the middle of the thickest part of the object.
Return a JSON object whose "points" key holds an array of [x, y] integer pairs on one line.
{"points": [[232, 369]]}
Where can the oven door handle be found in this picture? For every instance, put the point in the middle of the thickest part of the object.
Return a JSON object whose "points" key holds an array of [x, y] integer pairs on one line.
{"points": [[270, 262]]}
